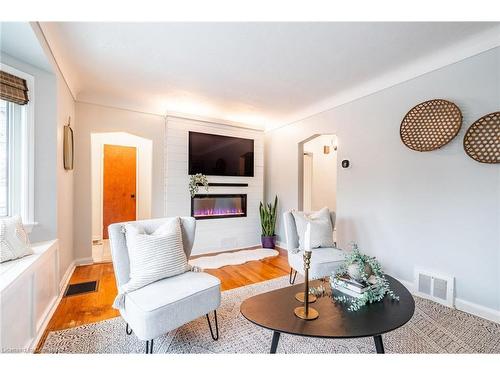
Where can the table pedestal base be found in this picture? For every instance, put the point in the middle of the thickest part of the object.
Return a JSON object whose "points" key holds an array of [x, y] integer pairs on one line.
{"points": [[379, 345], [274, 343]]}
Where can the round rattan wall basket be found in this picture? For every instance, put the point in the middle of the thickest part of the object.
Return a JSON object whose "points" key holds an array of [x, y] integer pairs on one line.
{"points": [[430, 125], [482, 140]]}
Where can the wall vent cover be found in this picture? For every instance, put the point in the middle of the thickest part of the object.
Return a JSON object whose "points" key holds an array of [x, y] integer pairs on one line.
{"points": [[436, 287]]}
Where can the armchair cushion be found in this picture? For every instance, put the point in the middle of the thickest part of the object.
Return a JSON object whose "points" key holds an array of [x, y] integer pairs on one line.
{"points": [[169, 303], [14, 241], [118, 242], [321, 228], [153, 256]]}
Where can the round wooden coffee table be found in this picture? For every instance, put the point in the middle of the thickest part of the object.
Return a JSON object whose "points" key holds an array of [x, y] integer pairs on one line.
{"points": [[274, 310]]}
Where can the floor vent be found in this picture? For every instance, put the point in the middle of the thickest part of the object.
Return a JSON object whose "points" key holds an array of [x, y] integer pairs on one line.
{"points": [[435, 287], [81, 288]]}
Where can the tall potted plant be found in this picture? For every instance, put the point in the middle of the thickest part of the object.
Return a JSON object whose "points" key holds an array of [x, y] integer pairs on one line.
{"points": [[268, 223]]}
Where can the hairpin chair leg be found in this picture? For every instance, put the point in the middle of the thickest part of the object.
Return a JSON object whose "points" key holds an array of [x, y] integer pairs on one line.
{"points": [[129, 332], [149, 346], [290, 280], [216, 336]]}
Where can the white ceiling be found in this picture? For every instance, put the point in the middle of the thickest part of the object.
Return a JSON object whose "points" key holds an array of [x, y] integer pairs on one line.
{"points": [[261, 74], [18, 40]]}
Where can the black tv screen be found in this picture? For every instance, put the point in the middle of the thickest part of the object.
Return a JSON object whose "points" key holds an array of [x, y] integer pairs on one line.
{"points": [[218, 155]]}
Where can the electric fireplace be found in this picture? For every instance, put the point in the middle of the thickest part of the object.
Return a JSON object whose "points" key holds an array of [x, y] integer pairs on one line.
{"points": [[218, 206]]}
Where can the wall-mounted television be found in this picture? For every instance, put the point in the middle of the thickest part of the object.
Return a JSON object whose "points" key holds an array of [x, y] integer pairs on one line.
{"points": [[219, 155]]}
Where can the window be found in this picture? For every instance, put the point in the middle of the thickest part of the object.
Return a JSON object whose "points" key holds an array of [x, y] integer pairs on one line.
{"points": [[4, 160], [16, 155]]}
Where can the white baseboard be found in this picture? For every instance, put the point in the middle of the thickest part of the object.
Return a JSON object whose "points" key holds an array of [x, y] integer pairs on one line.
{"points": [[281, 244], [84, 261], [478, 310], [463, 305], [67, 275], [62, 288]]}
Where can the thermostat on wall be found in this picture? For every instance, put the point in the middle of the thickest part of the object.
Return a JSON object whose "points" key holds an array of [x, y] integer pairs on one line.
{"points": [[345, 163]]}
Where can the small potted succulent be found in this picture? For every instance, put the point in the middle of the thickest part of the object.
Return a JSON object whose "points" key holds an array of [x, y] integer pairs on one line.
{"points": [[268, 223]]}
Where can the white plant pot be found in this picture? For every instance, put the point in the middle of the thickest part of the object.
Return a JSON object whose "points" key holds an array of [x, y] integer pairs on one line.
{"points": [[353, 271]]}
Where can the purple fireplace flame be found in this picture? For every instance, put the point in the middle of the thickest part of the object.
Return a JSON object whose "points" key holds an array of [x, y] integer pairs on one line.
{"points": [[218, 212], [216, 206]]}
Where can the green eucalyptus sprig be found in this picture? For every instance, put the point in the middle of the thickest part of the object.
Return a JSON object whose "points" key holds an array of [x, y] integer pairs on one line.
{"points": [[355, 256], [194, 181], [374, 294]]}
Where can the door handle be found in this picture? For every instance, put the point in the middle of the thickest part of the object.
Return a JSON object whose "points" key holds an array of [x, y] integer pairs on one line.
{"points": [[132, 195]]}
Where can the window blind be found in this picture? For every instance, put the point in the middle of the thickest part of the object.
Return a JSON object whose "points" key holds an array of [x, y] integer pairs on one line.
{"points": [[13, 89]]}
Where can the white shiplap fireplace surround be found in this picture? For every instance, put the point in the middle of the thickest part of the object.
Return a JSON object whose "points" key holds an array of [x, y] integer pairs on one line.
{"points": [[216, 234]]}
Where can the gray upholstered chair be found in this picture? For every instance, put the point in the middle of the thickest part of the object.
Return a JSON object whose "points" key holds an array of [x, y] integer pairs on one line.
{"points": [[169, 303], [324, 260]]}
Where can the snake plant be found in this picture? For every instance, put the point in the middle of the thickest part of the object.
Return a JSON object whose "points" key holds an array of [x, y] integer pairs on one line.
{"points": [[268, 217]]}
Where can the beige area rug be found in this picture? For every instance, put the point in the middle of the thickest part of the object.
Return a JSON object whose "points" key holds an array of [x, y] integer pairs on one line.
{"points": [[232, 258], [433, 329]]}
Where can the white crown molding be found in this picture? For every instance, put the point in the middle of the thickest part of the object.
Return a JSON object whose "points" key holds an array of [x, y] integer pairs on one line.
{"points": [[119, 108], [460, 51], [211, 120], [44, 43]]}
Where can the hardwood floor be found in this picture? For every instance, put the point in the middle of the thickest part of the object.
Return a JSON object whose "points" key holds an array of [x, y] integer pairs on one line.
{"points": [[93, 307]]}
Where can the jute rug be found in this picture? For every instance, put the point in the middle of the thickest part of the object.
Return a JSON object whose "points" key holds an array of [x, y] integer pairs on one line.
{"points": [[433, 329], [232, 258]]}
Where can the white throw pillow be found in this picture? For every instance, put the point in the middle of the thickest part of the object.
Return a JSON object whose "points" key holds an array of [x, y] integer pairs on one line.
{"points": [[14, 242], [321, 228], [153, 257]]}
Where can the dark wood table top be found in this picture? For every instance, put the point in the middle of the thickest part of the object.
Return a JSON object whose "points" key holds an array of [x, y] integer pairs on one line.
{"points": [[274, 310]]}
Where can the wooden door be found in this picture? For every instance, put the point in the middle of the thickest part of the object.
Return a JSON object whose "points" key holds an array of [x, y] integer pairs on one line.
{"points": [[119, 184]]}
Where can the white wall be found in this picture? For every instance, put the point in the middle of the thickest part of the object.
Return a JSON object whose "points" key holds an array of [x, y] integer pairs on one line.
{"points": [[435, 210], [99, 119], [65, 110], [53, 185], [215, 234], [144, 149], [324, 172]]}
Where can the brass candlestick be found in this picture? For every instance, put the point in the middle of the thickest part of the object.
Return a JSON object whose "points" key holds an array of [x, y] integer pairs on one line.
{"points": [[300, 297], [305, 312]]}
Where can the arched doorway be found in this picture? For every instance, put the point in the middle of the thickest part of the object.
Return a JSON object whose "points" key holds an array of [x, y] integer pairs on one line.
{"points": [[318, 172], [121, 175]]}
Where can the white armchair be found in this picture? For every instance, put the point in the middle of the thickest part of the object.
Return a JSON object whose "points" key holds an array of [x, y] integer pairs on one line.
{"points": [[169, 303], [324, 260]]}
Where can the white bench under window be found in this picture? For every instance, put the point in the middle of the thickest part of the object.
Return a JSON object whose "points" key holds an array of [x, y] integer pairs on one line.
{"points": [[29, 289]]}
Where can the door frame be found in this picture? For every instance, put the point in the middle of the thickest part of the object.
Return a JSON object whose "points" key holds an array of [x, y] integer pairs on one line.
{"points": [[300, 171], [304, 156], [101, 184]]}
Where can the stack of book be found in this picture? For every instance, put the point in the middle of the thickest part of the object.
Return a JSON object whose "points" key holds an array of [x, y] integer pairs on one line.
{"points": [[345, 284]]}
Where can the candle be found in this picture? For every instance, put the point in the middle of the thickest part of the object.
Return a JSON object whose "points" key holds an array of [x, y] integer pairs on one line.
{"points": [[307, 238]]}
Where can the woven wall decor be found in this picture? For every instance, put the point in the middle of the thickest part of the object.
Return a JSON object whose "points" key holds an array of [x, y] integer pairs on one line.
{"points": [[482, 140], [430, 125]]}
